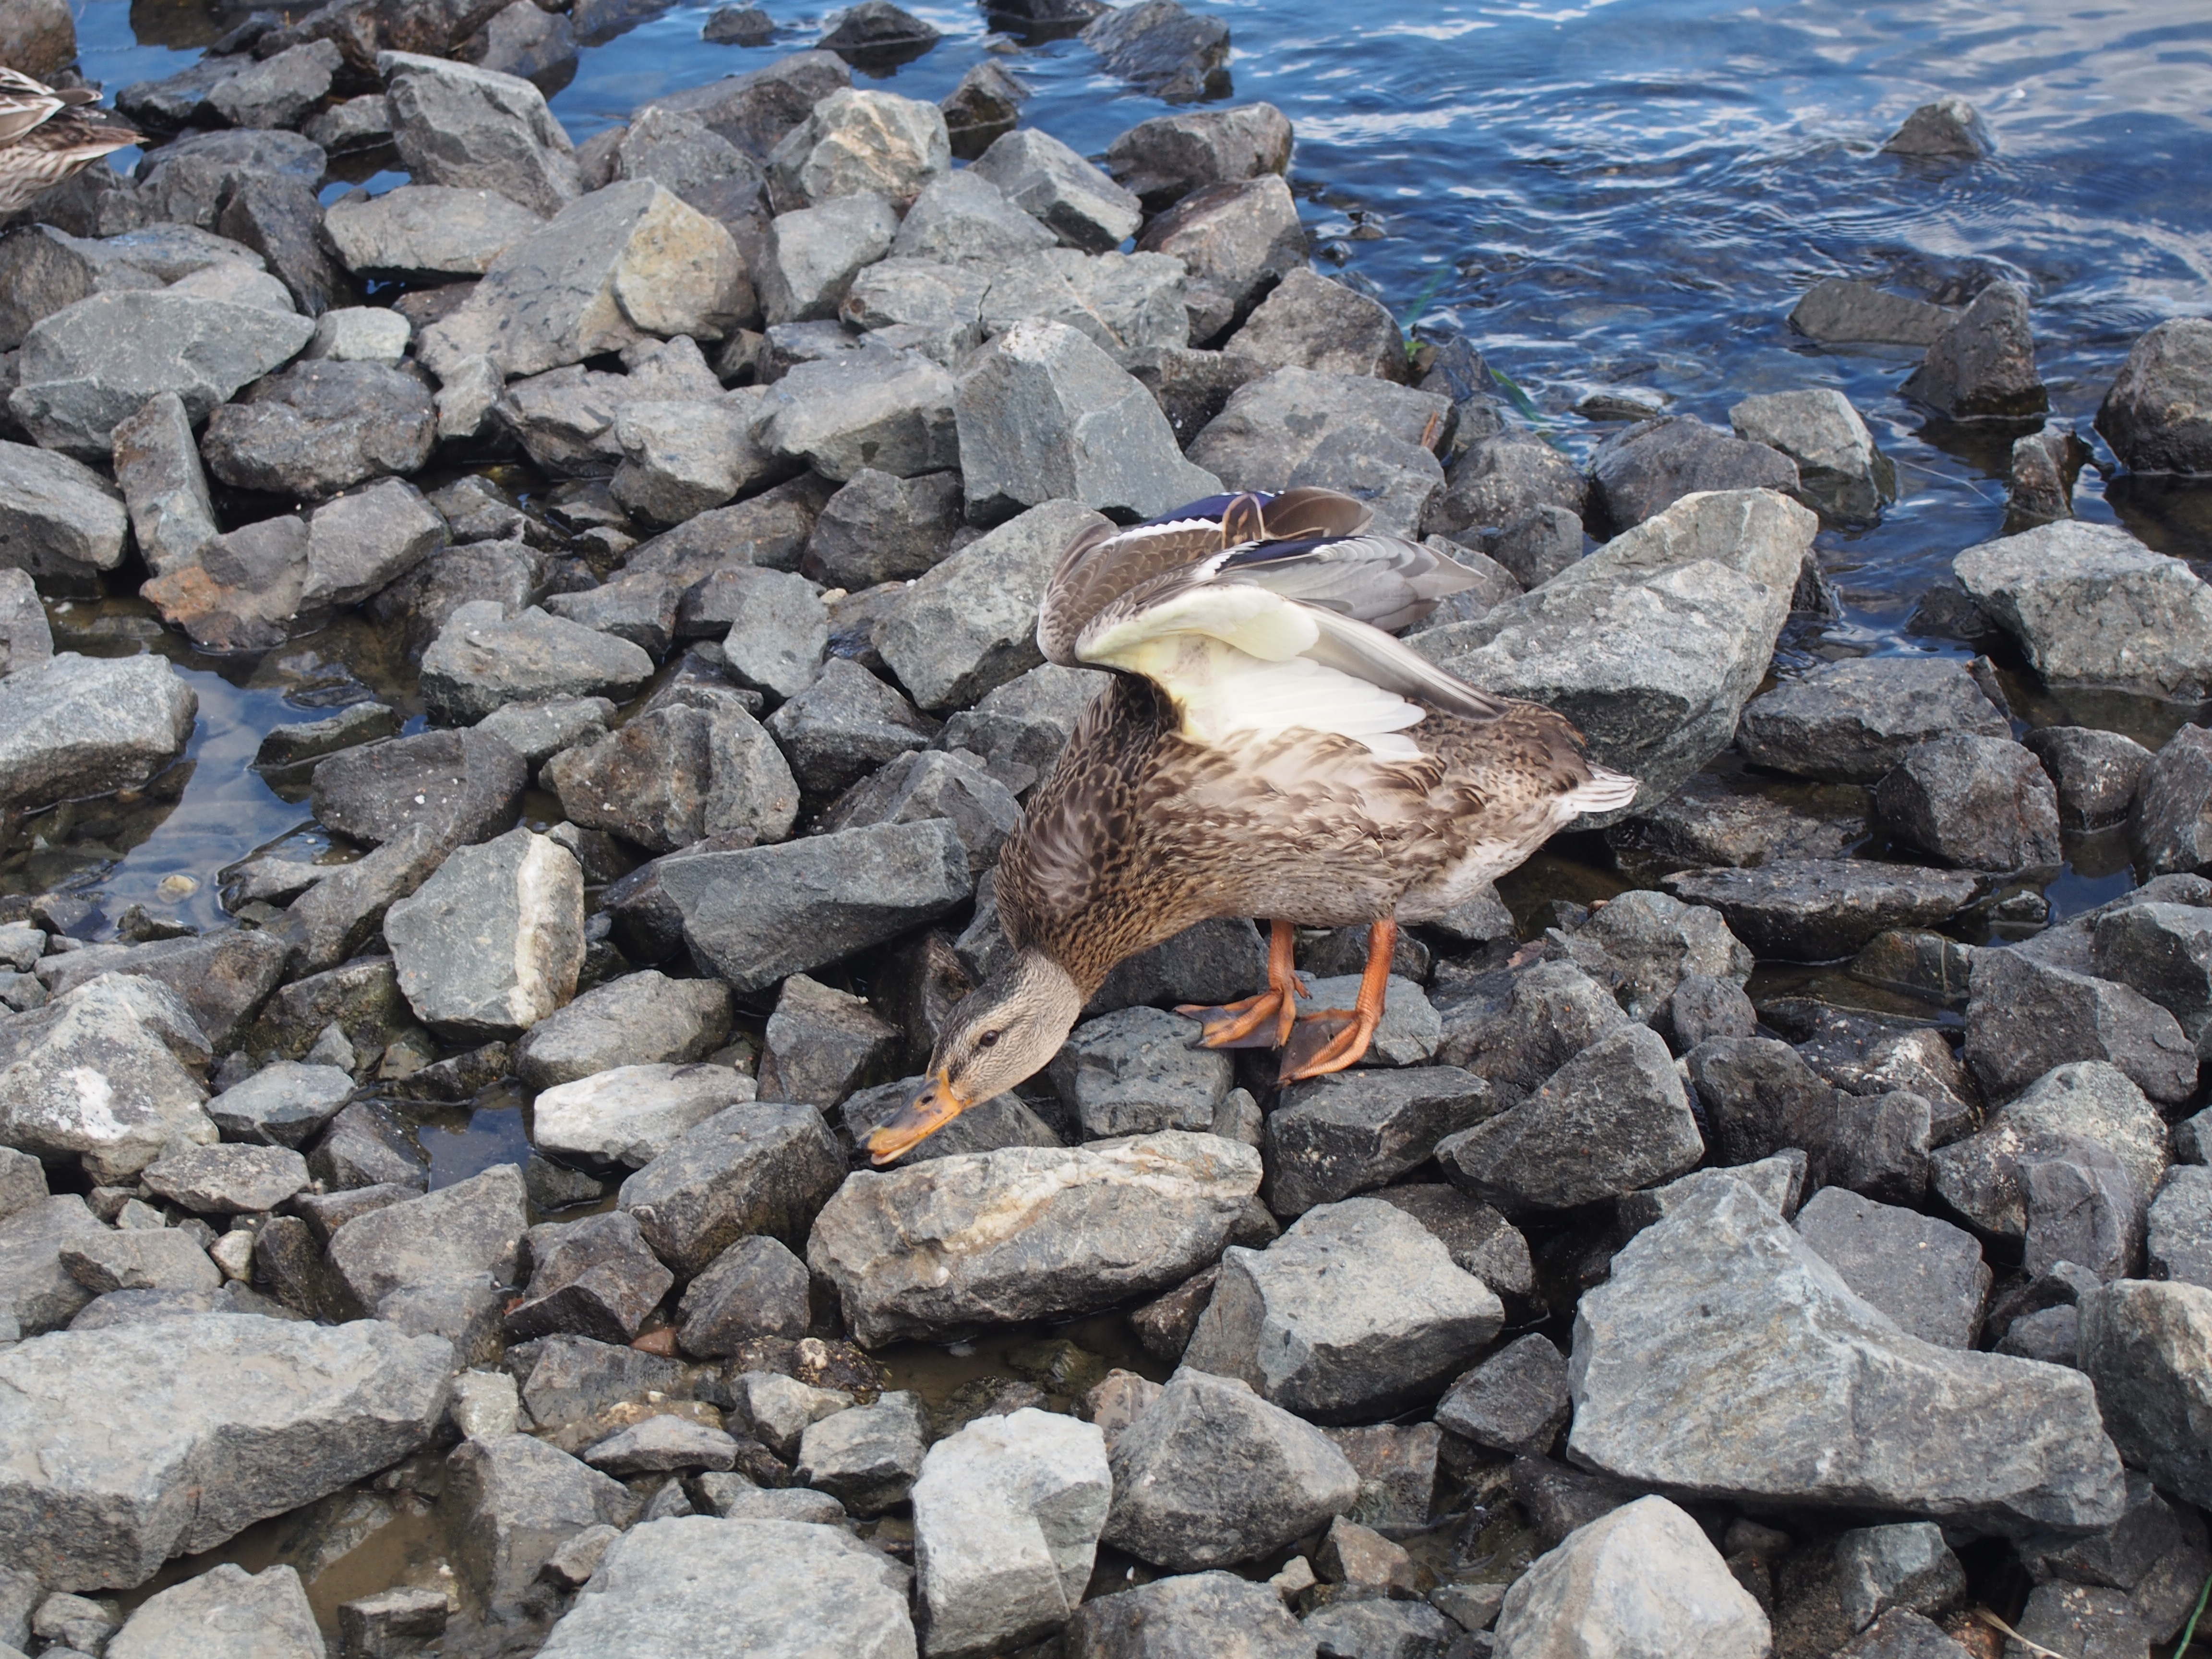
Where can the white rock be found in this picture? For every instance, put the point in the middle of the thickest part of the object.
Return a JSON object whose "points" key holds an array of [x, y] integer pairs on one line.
{"points": [[360, 334], [632, 1114]]}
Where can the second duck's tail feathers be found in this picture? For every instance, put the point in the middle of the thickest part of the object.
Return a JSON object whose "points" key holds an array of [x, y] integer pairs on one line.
{"points": [[1607, 791]]}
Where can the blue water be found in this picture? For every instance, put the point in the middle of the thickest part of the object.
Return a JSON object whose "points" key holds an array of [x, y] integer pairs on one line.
{"points": [[1621, 196]]}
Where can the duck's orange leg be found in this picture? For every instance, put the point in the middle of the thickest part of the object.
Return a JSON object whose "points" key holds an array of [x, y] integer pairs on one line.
{"points": [[1330, 1039], [1259, 1022]]}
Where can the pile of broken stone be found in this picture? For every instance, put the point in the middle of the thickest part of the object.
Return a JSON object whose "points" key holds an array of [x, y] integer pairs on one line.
{"points": [[1850, 1309]]}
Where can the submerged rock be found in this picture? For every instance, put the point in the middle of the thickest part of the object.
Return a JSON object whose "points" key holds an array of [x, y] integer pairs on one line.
{"points": [[1983, 366]]}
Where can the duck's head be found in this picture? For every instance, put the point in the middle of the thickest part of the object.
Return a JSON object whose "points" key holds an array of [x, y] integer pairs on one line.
{"points": [[1003, 1031]]}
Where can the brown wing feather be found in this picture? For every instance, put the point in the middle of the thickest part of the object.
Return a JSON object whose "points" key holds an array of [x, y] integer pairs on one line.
{"points": [[1309, 513], [1100, 566]]}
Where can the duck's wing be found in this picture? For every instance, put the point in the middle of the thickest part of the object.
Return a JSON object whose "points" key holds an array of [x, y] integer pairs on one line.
{"points": [[25, 103], [1261, 638]]}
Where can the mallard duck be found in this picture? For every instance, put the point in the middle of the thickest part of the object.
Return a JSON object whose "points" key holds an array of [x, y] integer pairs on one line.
{"points": [[43, 140], [1265, 749]]}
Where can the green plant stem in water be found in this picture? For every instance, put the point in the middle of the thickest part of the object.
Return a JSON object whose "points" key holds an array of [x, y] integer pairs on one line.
{"points": [[2189, 1631]]}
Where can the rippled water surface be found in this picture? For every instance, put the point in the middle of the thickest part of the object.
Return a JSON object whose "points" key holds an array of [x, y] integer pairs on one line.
{"points": [[1622, 197]]}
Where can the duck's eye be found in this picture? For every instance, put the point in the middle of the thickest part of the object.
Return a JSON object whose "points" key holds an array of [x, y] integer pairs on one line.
{"points": [[987, 1039]]}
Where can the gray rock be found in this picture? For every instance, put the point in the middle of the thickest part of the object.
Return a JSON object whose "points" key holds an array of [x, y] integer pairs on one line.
{"points": [[780, 1407], [472, 1228], [513, 1500], [1642, 944], [867, 1456], [892, 411], [467, 786], [659, 1444], [295, 741], [1514, 1401], [2091, 1102], [2096, 772], [1045, 180], [1191, 387], [1653, 644], [1311, 322], [1822, 909], [239, 1419], [1980, 803], [1907, 1565], [681, 152], [759, 1167], [1164, 49], [355, 124], [631, 1114], [1394, 1630], [821, 1043], [2082, 1212], [1926, 1274], [2091, 605], [1853, 721], [1641, 1579], [2144, 1345], [1355, 1310], [2155, 415], [1346, 1133], [493, 942], [965, 217], [811, 255], [1482, 1241], [2170, 825], [1754, 1388], [606, 272], [2026, 1017], [1271, 426], [574, 1388], [1134, 1071], [1166, 158], [140, 1259], [1193, 1616], [1734, 820], [1982, 365], [2155, 1554], [853, 142], [682, 458], [132, 1043], [778, 1588], [26, 640], [1502, 478], [228, 1180], [754, 111], [1549, 1014], [1949, 127], [2180, 1243], [755, 1288], [92, 365], [1123, 302], [1044, 415], [539, 731], [2164, 951], [641, 1019], [1617, 1107], [225, 1611], [37, 1292], [925, 784], [880, 527], [843, 726], [968, 625], [222, 978], [538, 46], [1641, 471], [1173, 1200], [679, 774], [470, 128], [58, 519], [594, 1277], [482, 660], [1841, 475]]}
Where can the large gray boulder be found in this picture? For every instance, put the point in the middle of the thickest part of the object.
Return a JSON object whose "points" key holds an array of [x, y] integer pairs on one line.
{"points": [[2087, 1101], [1841, 475], [1237, 241], [936, 1248], [1813, 910], [1054, 186], [483, 660], [1850, 722], [511, 1500], [36, 1291], [2027, 1016], [632, 1114], [1164, 159], [1044, 414], [757, 1167], [1982, 366], [73, 726], [493, 942], [471, 1230], [1197, 1615], [1725, 1357], [1646, 469], [1134, 1071], [1343, 1133], [225, 1612], [427, 231], [640, 1019], [2093, 606], [320, 427], [679, 774], [892, 410], [1123, 303], [92, 365], [2158, 415], [770, 1590], [2147, 1347], [129, 1044], [1273, 425], [236, 1417], [1355, 1311], [58, 519], [1653, 644], [1641, 1580], [853, 142], [809, 256], [1313, 322], [475, 129]]}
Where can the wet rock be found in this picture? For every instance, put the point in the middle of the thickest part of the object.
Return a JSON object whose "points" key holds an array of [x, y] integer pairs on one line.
{"points": [[1949, 126], [1641, 471], [1180, 1194], [1980, 803], [1134, 1073], [388, 1621], [1167, 158], [1052, 184], [493, 942], [641, 1019], [1642, 1577], [754, 1168], [2096, 772], [1185, 1617], [228, 1180], [92, 365], [1356, 1309], [632, 1114], [1964, 1434], [1835, 309], [1926, 1274], [470, 1229], [1007, 1514], [1339, 1135], [680, 772], [813, 253], [866, 1458], [1841, 475], [239, 1419], [2155, 416], [2143, 1344], [513, 1500], [1044, 415], [856, 143], [475, 129], [132, 1044], [2091, 605], [482, 660], [1164, 50], [1311, 322], [1652, 644], [776, 1587], [241, 592], [58, 519], [968, 625], [2026, 1017], [467, 784], [1823, 909], [964, 217], [603, 274], [1618, 1105], [594, 1277], [1982, 365], [2045, 465], [2090, 1101]]}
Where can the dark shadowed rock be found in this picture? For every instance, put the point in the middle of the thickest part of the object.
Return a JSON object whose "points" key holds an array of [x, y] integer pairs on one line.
{"points": [[1164, 49], [1983, 366], [1851, 722], [1646, 469], [1339, 1135], [2158, 415], [1823, 909], [2026, 1017], [759, 1167]]}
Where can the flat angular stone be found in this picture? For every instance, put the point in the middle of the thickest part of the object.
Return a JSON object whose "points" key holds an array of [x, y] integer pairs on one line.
{"points": [[2158, 415], [1186, 1617], [1926, 1274], [757, 1167], [472, 1227], [128, 1043], [659, 1444], [925, 784], [755, 1288], [880, 527], [1979, 803], [222, 978], [1841, 475], [682, 153], [466, 785], [641, 1019], [2091, 1102], [225, 1610], [1644, 944], [482, 660], [1312, 322], [1514, 1401], [889, 410], [1982, 365], [2170, 824], [2143, 1344], [1057, 187], [1135, 1072], [1639, 472], [867, 1456], [1851, 722], [140, 1259], [813, 254], [58, 519], [1173, 1198], [492, 942], [677, 774], [469, 128], [595, 1278], [964, 217], [1823, 909], [512, 1501], [228, 1180], [1754, 1388], [821, 1043], [2180, 1244], [2026, 1017], [241, 1418], [1344, 1133], [632, 1114]]}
